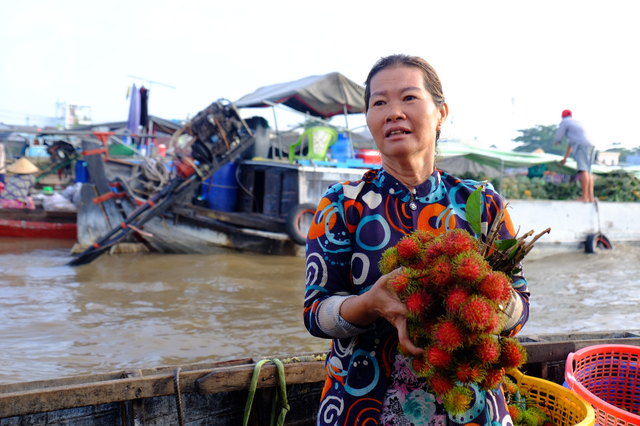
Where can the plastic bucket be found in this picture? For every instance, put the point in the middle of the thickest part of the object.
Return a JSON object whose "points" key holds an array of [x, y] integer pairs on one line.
{"points": [[341, 150], [221, 189], [370, 156], [162, 150], [82, 172]]}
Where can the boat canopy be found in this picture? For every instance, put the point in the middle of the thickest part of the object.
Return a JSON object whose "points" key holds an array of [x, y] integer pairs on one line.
{"points": [[451, 151], [319, 95]]}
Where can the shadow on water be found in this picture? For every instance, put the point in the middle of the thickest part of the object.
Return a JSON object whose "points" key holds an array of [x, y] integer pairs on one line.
{"points": [[125, 312]]}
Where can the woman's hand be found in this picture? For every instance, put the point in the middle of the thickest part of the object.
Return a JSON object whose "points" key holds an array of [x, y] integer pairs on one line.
{"points": [[380, 301]]}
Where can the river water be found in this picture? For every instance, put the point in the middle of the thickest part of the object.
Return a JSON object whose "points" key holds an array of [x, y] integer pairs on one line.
{"points": [[151, 310]]}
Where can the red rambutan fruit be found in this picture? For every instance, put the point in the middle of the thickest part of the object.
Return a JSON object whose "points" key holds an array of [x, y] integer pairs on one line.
{"points": [[458, 241], [389, 261], [470, 267], [509, 386], [408, 249], [488, 350], [438, 357], [468, 373], [458, 400], [421, 367], [400, 282], [422, 236], [434, 249], [456, 298], [491, 379], [448, 335], [440, 384], [441, 272], [512, 353], [478, 313], [495, 286], [417, 303], [429, 325], [514, 412], [495, 325]]}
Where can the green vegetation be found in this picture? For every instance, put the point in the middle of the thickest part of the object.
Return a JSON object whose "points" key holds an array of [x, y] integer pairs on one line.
{"points": [[616, 186], [540, 137]]}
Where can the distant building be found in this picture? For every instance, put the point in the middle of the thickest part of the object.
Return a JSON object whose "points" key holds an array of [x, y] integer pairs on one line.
{"points": [[608, 158], [73, 114], [633, 159]]}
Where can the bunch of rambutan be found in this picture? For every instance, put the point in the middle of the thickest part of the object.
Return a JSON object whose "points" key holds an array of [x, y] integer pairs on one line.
{"points": [[454, 303]]}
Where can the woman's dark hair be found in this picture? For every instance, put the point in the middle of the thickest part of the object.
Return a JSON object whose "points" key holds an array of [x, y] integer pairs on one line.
{"points": [[431, 80]]}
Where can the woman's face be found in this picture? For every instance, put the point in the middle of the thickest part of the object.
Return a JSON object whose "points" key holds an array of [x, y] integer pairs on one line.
{"points": [[402, 116]]}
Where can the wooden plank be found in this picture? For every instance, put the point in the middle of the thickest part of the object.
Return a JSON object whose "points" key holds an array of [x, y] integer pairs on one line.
{"points": [[92, 219], [39, 215], [222, 379], [94, 378], [96, 168], [237, 378], [556, 351], [247, 220]]}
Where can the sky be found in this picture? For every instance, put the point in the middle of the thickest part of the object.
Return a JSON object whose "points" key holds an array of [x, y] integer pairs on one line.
{"points": [[504, 65]]}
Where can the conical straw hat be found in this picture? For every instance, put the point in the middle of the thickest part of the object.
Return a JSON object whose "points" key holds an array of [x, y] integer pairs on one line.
{"points": [[23, 167]]}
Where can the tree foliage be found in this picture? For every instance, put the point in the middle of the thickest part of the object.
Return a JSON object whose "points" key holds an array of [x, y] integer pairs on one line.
{"points": [[540, 137]]}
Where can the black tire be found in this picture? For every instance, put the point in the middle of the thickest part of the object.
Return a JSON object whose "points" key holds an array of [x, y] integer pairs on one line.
{"points": [[298, 222], [597, 242]]}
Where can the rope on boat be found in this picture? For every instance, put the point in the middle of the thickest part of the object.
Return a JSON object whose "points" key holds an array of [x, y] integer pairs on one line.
{"points": [[176, 386], [280, 400]]}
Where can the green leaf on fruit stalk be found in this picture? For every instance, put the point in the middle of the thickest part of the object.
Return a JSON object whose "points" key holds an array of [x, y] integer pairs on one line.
{"points": [[503, 245], [473, 211]]}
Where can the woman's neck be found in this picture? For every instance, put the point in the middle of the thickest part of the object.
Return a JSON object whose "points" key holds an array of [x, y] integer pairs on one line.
{"points": [[411, 172]]}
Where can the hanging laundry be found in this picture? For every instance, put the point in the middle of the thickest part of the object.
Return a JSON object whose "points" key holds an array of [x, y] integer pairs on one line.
{"points": [[134, 111], [144, 107]]}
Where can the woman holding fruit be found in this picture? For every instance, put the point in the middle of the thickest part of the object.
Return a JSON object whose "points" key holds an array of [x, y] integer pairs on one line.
{"points": [[370, 375]]}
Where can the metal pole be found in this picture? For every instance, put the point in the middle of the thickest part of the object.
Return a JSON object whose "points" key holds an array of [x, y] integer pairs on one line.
{"points": [[346, 122], [501, 176], [275, 120]]}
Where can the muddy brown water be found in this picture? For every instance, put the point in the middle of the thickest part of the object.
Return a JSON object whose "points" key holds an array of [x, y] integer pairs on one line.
{"points": [[154, 310]]}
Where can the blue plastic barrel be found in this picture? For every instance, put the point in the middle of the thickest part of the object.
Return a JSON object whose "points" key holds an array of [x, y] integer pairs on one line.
{"points": [[222, 188], [341, 150], [82, 171]]}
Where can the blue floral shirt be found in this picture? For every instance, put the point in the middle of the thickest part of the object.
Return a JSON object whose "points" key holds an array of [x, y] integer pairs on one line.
{"points": [[354, 224]]}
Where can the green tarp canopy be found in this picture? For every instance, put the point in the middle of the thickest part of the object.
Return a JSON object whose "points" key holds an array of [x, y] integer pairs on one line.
{"points": [[501, 160]]}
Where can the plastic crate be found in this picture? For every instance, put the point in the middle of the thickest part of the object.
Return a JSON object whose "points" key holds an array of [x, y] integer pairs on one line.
{"points": [[608, 377], [563, 406]]}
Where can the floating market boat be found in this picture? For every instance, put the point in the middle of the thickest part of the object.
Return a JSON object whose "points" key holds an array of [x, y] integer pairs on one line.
{"points": [[38, 224], [217, 393]]}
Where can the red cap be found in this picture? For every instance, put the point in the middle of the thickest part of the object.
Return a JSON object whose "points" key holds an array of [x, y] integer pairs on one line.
{"points": [[566, 113]]}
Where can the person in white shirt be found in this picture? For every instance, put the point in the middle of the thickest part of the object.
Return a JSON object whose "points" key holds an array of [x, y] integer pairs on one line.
{"points": [[583, 151]]}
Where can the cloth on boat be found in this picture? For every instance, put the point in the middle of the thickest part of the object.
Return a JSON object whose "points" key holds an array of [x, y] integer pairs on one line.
{"points": [[144, 107], [354, 224], [133, 121], [17, 192]]}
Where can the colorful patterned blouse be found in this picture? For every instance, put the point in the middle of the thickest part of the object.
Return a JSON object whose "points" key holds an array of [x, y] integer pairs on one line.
{"points": [[354, 223]]}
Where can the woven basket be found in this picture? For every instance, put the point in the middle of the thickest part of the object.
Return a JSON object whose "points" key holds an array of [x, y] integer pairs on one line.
{"points": [[564, 407], [608, 377]]}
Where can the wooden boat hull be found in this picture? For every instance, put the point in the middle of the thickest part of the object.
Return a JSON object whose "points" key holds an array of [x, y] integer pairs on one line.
{"points": [[38, 224], [216, 393], [204, 235]]}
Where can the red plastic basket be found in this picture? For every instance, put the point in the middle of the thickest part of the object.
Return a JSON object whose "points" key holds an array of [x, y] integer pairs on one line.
{"points": [[608, 377]]}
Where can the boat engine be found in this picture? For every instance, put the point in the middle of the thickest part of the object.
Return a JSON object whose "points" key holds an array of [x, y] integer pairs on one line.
{"points": [[217, 129]]}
